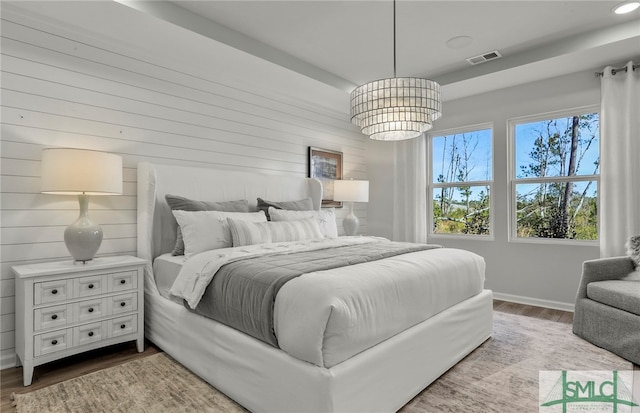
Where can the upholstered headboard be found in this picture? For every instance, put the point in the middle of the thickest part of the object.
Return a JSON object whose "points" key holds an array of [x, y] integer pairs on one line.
{"points": [[156, 225]]}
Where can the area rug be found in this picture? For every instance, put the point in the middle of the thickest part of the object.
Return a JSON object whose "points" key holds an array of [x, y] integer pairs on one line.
{"points": [[502, 374], [499, 376], [154, 384]]}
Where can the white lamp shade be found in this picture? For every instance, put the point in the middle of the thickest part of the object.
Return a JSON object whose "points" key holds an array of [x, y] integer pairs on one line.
{"points": [[79, 171], [351, 191]]}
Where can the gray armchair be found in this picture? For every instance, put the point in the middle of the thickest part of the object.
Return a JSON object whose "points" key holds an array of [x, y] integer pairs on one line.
{"points": [[607, 311]]}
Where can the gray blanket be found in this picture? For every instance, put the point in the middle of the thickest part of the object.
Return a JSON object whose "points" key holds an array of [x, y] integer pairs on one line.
{"points": [[242, 293]]}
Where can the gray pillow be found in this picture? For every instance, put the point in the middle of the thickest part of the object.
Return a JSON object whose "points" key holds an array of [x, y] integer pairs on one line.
{"points": [[185, 204], [633, 249], [301, 205]]}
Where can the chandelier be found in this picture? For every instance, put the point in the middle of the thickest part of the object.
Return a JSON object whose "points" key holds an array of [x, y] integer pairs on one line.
{"points": [[396, 108]]}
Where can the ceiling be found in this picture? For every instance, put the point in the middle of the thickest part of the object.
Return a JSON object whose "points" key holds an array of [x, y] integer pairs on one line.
{"points": [[321, 50], [346, 43]]}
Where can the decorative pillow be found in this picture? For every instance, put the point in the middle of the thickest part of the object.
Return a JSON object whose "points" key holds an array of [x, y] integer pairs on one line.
{"points": [[185, 204], [208, 230], [326, 219], [301, 205], [250, 233], [633, 249]]}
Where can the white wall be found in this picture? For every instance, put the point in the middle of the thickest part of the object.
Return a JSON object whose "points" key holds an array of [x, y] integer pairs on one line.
{"points": [[147, 90], [542, 274]]}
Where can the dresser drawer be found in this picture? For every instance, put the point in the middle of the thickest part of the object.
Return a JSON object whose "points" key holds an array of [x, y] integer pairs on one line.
{"points": [[48, 343], [88, 310], [123, 281], [123, 303], [51, 317], [88, 286], [90, 333], [52, 291], [123, 325]]}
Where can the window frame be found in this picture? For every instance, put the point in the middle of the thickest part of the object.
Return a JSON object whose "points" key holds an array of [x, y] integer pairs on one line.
{"points": [[513, 181], [434, 185]]}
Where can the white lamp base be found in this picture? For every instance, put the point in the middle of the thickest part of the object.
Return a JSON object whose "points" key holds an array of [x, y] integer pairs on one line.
{"points": [[83, 237], [351, 222]]}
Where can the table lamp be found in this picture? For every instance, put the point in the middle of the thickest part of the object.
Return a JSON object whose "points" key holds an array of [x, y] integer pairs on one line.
{"points": [[81, 172], [351, 191]]}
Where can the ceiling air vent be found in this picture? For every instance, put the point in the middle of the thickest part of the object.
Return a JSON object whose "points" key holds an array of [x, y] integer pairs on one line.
{"points": [[485, 57]]}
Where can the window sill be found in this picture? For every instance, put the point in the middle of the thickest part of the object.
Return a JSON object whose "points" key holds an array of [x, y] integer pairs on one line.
{"points": [[461, 237], [555, 241]]}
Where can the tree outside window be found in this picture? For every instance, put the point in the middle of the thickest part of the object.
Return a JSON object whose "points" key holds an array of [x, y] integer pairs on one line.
{"points": [[556, 177], [461, 180]]}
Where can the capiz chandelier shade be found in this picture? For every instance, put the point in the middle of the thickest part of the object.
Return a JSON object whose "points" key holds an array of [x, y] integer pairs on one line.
{"points": [[396, 108]]}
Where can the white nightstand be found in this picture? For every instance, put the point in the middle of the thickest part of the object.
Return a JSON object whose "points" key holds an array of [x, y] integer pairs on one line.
{"points": [[65, 308]]}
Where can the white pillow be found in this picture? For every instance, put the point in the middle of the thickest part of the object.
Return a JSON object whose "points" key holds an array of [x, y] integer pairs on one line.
{"points": [[208, 230], [249, 233], [326, 219]]}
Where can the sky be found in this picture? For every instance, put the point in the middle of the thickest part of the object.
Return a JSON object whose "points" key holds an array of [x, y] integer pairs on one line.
{"points": [[526, 133], [480, 157]]}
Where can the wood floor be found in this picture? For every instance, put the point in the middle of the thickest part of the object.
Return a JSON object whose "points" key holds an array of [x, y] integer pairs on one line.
{"points": [[531, 311], [60, 370]]}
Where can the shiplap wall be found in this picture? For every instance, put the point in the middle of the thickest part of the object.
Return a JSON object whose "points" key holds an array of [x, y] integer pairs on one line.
{"points": [[63, 88]]}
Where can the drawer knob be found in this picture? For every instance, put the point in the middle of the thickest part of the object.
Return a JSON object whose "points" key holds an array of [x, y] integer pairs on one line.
{"points": [[55, 316], [122, 304], [90, 309], [90, 286], [54, 291], [123, 325], [123, 281], [54, 342], [90, 333]]}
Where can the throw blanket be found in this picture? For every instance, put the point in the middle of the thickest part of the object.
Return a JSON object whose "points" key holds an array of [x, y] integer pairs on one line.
{"points": [[243, 291]]}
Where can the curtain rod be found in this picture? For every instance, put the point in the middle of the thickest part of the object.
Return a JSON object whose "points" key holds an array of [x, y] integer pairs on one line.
{"points": [[617, 69]]}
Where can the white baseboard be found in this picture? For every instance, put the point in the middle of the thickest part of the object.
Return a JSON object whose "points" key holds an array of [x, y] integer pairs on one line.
{"points": [[7, 360], [555, 305]]}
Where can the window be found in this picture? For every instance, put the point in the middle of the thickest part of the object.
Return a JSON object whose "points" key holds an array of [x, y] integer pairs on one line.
{"points": [[460, 182], [555, 176]]}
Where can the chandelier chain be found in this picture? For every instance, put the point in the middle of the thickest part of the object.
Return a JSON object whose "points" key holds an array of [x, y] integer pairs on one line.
{"points": [[394, 38]]}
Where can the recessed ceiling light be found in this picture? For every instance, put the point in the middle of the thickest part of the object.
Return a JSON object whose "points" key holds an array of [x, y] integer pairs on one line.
{"points": [[459, 42], [626, 7]]}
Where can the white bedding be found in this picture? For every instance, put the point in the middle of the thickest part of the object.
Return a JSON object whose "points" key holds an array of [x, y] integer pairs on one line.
{"points": [[326, 317], [166, 268], [265, 379]]}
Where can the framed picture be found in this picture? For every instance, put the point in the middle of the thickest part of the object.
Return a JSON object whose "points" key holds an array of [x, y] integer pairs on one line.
{"points": [[326, 166]]}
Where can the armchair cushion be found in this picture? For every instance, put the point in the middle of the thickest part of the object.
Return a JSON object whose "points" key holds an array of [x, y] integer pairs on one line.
{"points": [[602, 269], [624, 295]]}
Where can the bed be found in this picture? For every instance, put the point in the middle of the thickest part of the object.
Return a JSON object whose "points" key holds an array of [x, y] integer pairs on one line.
{"points": [[306, 371]]}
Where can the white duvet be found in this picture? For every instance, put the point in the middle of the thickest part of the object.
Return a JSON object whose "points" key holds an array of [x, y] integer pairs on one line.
{"points": [[326, 317]]}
